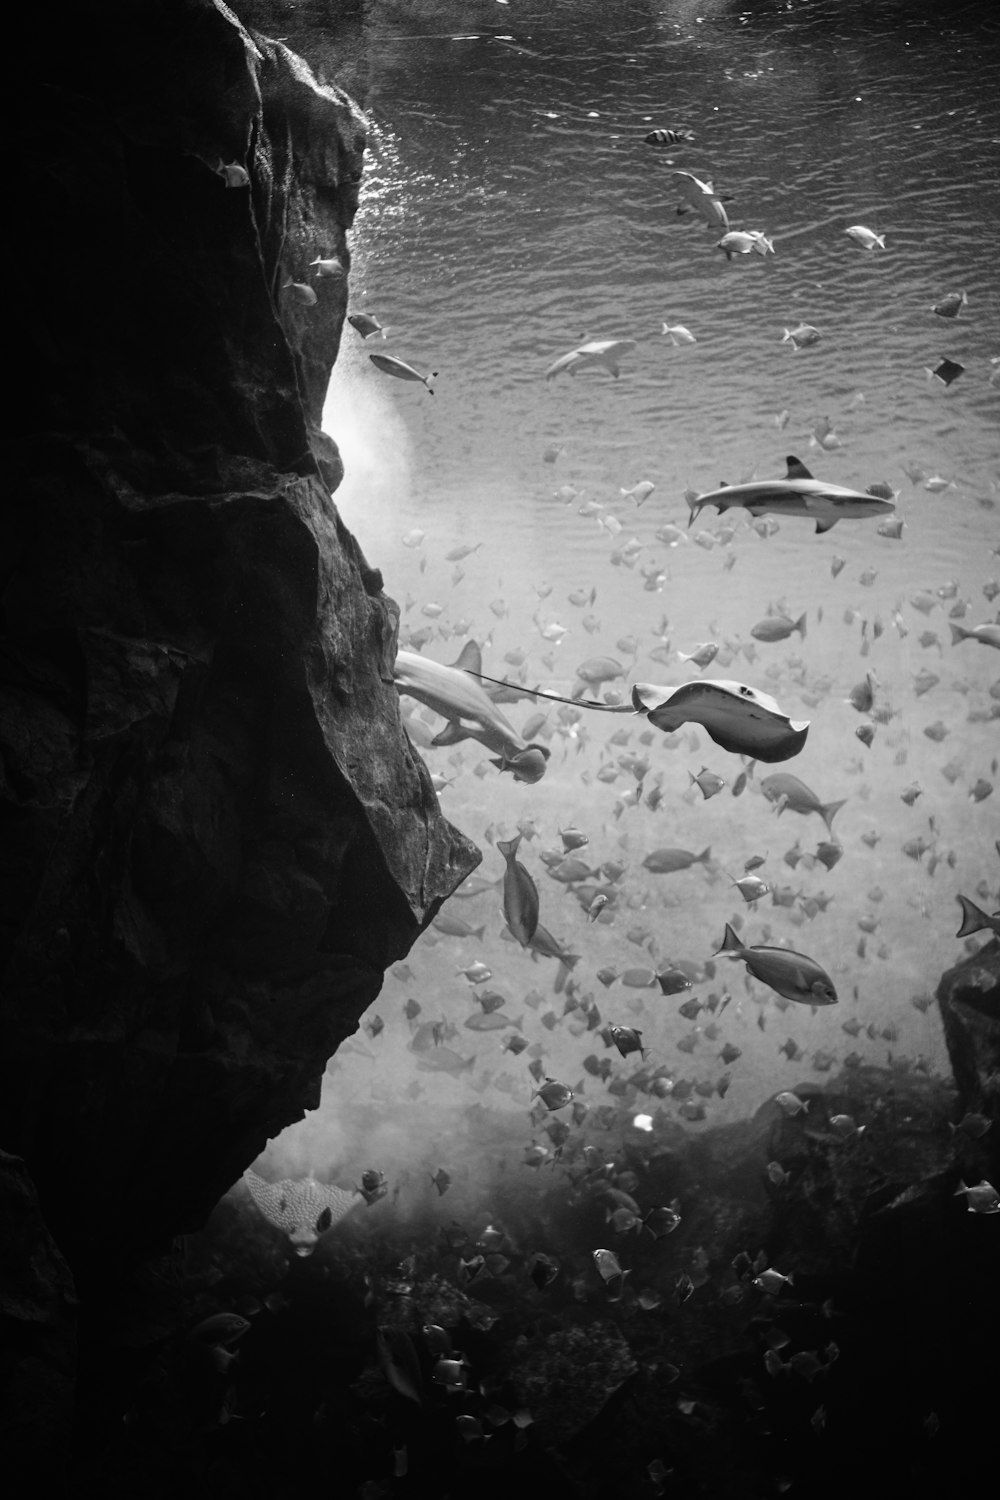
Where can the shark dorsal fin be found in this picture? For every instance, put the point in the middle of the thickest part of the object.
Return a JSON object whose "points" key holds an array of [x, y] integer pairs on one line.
{"points": [[723, 484], [470, 658], [796, 468]]}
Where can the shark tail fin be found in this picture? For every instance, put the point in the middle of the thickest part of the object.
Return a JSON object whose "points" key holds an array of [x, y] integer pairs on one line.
{"points": [[694, 504]]}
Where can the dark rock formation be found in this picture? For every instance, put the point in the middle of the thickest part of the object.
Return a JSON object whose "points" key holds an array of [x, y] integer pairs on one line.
{"points": [[216, 835], [968, 997]]}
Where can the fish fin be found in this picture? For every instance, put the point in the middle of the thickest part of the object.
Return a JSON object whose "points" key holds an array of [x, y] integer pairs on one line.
{"points": [[730, 941], [829, 810], [508, 847], [469, 659], [694, 504], [796, 468], [452, 734], [800, 624], [614, 370], [957, 633], [974, 919], [825, 525]]}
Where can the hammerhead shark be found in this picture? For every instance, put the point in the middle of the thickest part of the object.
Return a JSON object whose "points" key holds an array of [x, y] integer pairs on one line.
{"points": [[798, 494], [455, 693]]}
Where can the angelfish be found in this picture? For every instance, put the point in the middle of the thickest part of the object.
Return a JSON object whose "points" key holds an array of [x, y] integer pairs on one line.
{"points": [[520, 894]]}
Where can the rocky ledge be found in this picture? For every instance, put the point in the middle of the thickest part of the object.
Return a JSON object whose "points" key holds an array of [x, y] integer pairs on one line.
{"points": [[216, 835]]}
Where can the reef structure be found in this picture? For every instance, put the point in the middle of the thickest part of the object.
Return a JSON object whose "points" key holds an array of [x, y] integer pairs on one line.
{"points": [[216, 834]]}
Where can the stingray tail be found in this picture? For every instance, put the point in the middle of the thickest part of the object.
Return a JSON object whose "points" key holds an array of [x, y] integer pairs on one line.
{"points": [[607, 708]]}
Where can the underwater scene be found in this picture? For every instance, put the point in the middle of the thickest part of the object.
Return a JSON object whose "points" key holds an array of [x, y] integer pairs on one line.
{"points": [[668, 405]]}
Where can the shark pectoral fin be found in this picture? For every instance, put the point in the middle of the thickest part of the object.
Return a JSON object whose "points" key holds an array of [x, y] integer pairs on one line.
{"points": [[452, 734], [825, 525]]}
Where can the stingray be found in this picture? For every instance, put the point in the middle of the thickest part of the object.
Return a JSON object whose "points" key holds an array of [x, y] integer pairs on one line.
{"points": [[737, 717], [302, 1207]]}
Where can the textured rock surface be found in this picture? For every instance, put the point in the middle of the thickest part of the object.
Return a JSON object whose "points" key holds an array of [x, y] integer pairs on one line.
{"points": [[968, 997], [215, 833]]}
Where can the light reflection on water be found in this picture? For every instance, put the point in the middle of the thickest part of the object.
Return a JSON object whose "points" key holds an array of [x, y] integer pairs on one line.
{"points": [[511, 210]]}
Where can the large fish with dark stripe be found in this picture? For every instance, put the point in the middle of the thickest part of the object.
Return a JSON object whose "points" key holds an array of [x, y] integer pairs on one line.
{"points": [[798, 494]]}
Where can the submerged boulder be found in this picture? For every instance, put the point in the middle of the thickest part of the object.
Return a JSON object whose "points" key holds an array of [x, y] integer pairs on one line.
{"points": [[216, 835]]}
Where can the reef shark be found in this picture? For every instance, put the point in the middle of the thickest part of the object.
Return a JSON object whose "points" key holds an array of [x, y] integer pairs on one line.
{"points": [[606, 352], [455, 693], [798, 494], [702, 197]]}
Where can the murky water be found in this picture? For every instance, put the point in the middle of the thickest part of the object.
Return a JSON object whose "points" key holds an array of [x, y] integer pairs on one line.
{"points": [[511, 210]]}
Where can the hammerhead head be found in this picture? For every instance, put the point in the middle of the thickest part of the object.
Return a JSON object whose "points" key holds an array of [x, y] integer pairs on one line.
{"points": [[455, 694]]}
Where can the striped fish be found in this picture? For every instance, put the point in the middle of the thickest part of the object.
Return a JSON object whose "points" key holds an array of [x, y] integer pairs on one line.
{"points": [[675, 137]]}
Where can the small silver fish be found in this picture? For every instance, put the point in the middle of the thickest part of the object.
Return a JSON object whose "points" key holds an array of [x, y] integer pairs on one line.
{"points": [[389, 365], [678, 334], [866, 238], [232, 174], [803, 336]]}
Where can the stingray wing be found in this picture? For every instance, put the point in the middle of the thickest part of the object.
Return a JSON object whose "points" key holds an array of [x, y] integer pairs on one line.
{"points": [[298, 1205], [737, 717]]}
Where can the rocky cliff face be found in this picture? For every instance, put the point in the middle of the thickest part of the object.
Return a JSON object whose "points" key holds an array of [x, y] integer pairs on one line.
{"points": [[216, 835]]}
